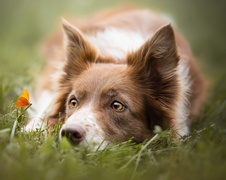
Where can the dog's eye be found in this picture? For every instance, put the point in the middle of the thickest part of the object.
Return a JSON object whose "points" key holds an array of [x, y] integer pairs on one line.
{"points": [[73, 103], [117, 106]]}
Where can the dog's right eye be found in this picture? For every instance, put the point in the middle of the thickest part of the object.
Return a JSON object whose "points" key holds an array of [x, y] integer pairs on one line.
{"points": [[73, 103], [117, 106]]}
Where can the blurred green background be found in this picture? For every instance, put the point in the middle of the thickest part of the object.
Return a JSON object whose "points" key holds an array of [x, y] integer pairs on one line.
{"points": [[24, 23], [23, 26]]}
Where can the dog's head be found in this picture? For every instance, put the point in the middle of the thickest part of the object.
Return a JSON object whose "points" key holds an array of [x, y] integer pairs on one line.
{"points": [[101, 100]]}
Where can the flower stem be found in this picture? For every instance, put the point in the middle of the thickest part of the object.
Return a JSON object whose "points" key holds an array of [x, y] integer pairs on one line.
{"points": [[16, 123]]}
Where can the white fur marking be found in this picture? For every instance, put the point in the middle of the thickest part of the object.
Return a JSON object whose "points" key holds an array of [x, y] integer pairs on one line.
{"points": [[86, 119], [182, 110], [40, 109], [116, 42], [35, 123]]}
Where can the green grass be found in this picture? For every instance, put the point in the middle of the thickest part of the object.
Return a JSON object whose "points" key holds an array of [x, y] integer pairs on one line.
{"points": [[201, 155]]}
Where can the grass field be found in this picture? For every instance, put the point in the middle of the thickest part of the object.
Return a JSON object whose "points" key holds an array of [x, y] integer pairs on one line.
{"points": [[201, 155]]}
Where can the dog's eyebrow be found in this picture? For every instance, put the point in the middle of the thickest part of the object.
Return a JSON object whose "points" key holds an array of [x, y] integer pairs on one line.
{"points": [[78, 94], [112, 93]]}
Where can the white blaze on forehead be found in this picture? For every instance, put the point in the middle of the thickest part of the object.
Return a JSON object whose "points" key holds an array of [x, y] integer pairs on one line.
{"points": [[86, 119]]}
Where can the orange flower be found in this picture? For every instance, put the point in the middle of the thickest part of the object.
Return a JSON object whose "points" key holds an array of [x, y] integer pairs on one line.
{"points": [[23, 99]]}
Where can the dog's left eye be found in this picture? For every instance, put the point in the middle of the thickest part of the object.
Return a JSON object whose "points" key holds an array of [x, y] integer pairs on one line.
{"points": [[73, 103], [117, 106]]}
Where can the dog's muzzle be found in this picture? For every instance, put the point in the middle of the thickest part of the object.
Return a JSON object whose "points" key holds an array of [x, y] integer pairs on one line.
{"points": [[74, 135]]}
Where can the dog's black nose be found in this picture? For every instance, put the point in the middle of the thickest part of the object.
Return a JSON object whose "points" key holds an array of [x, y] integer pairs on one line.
{"points": [[74, 134]]}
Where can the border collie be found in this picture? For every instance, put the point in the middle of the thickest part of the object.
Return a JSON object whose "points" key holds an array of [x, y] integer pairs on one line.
{"points": [[116, 76]]}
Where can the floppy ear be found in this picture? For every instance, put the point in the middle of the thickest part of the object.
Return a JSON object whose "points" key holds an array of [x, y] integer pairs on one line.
{"points": [[79, 52]]}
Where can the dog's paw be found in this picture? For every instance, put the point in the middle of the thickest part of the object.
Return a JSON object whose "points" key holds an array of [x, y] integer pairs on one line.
{"points": [[34, 124]]}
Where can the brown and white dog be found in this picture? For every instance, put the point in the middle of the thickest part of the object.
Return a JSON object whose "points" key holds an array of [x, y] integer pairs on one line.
{"points": [[116, 76]]}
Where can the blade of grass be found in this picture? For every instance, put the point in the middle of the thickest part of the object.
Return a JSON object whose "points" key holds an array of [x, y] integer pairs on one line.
{"points": [[139, 153], [5, 130]]}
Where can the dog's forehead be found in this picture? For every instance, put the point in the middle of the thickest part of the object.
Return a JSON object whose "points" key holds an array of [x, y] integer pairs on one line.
{"points": [[102, 75]]}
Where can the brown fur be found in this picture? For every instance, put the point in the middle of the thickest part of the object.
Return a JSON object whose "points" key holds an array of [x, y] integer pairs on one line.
{"points": [[146, 81]]}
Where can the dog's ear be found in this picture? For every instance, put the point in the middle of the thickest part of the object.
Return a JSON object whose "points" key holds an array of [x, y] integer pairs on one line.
{"points": [[79, 55], [154, 68], [158, 56], [79, 51], [154, 65]]}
